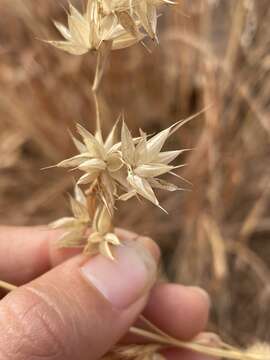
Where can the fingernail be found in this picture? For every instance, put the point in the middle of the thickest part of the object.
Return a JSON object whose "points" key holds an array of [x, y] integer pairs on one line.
{"points": [[201, 292], [124, 281]]}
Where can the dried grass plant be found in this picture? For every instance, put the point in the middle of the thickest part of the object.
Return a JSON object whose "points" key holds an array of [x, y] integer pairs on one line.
{"points": [[211, 52]]}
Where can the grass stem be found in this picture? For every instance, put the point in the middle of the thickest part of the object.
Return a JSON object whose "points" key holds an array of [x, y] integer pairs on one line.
{"points": [[6, 286]]}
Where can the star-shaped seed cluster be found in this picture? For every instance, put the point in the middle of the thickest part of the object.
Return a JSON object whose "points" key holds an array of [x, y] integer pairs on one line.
{"points": [[113, 169], [114, 24]]}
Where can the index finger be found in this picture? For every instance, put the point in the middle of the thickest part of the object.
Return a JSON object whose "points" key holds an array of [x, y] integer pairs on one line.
{"points": [[28, 252]]}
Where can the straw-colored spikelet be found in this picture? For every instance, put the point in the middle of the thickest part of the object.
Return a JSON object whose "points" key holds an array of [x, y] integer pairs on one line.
{"points": [[145, 162], [89, 31], [103, 237], [115, 24], [134, 14], [98, 160], [134, 164], [113, 170], [75, 227]]}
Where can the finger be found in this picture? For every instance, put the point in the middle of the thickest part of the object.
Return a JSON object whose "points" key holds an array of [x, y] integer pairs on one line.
{"points": [[28, 252], [79, 309], [177, 310]]}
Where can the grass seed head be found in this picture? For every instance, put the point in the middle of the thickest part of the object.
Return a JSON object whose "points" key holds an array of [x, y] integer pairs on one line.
{"points": [[119, 24], [145, 163], [103, 238], [87, 32], [75, 227], [113, 170], [136, 14]]}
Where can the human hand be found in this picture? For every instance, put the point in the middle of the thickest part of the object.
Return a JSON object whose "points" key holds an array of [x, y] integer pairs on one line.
{"points": [[70, 308]]}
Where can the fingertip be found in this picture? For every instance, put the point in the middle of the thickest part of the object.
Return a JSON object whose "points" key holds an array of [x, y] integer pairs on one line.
{"points": [[201, 295], [184, 310], [146, 241], [151, 246]]}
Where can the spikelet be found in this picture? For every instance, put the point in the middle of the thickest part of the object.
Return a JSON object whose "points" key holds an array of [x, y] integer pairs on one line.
{"points": [[89, 31], [136, 14], [74, 227], [109, 24], [98, 160], [113, 170], [133, 164], [102, 238], [145, 163]]}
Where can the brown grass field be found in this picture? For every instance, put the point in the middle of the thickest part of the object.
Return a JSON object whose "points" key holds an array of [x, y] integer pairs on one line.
{"points": [[212, 52]]}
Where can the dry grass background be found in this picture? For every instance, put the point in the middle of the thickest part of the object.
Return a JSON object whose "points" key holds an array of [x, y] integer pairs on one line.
{"points": [[212, 52]]}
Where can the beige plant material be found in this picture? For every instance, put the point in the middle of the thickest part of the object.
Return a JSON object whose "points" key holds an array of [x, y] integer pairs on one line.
{"points": [[75, 227], [136, 14], [87, 32], [258, 350], [98, 160], [102, 238], [117, 24], [134, 164], [145, 162], [139, 352], [113, 170]]}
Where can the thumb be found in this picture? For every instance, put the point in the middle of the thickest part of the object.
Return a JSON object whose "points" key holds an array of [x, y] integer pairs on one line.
{"points": [[81, 308]]}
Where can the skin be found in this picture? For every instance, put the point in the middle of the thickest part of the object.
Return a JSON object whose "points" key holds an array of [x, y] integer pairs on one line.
{"points": [[55, 315]]}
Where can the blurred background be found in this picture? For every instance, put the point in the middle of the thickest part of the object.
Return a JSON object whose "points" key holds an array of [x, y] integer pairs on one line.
{"points": [[212, 52]]}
